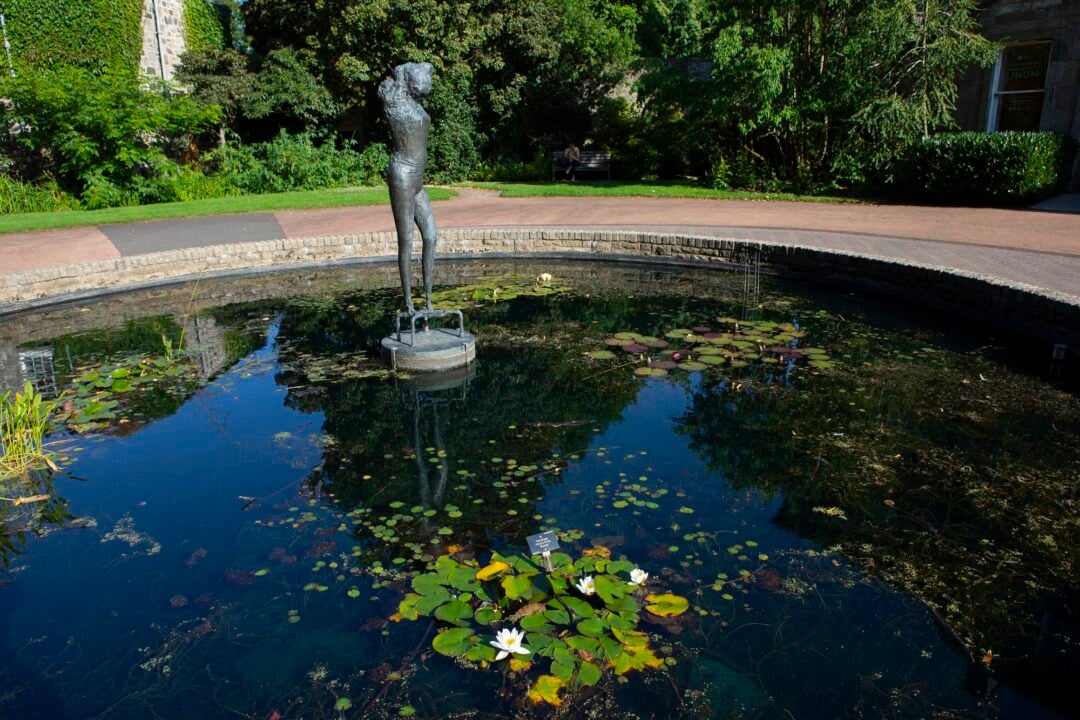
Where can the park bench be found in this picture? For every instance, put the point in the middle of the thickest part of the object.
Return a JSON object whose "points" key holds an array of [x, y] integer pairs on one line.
{"points": [[591, 161]]}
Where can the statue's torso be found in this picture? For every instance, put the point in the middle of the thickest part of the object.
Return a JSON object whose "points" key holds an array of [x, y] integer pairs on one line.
{"points": [[409, 125]]}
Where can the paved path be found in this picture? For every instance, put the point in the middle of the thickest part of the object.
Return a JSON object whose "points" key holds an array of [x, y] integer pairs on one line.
{"points": [[1032, 247]]}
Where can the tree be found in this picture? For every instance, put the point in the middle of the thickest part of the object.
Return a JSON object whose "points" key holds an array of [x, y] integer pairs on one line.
{"points": [[509, 74], [812, 90], [101, 136]]}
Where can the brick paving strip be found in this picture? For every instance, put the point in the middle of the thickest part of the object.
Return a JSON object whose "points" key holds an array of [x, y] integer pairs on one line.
{"points": [[1036, 252]]}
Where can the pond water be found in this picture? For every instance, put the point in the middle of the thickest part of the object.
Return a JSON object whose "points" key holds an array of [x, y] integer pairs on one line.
{"points": [[871, 512]]}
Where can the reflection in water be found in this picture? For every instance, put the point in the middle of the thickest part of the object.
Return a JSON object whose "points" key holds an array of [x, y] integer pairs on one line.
{"points": [[427, 394], [21, 520]]}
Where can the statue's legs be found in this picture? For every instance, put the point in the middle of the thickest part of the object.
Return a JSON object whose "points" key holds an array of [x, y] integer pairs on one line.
{"points": [[425, 218], [403, 203]]}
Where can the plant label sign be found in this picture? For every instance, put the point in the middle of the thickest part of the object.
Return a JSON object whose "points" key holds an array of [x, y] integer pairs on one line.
{"points": [[542, 544]]}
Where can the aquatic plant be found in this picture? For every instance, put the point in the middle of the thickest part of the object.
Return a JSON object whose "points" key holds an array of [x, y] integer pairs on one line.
{"points": [[582, 616], [740, 344], [126, 387], [24, 422], [496, 289]]}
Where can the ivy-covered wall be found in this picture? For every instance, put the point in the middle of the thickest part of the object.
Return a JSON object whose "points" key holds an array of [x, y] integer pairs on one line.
{"points": [[97, 34], [205, 24], [94, 34]]}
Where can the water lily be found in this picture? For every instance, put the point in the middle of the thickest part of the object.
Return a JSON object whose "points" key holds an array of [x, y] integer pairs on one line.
{"points": [[586, 585], [638, 576], [508, 640]]}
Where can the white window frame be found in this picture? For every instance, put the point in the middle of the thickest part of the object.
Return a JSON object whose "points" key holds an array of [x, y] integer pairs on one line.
{"points": [[995, 83]]}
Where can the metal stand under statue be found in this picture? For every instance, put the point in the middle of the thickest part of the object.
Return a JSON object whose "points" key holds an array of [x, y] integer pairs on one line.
{"points": [[419, 347]]}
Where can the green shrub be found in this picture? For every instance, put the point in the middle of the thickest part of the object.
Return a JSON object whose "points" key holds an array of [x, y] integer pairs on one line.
{"points": [[296, 162], [101, 136], [539, 168], [21, 197], [987, 168]]}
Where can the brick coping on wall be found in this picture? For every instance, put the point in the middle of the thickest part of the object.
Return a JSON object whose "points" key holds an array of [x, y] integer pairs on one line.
{"points": [[1053, 316]]}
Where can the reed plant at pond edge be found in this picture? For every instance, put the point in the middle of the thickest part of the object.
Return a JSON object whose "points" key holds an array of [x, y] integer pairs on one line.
{"points": [[24, 422]]}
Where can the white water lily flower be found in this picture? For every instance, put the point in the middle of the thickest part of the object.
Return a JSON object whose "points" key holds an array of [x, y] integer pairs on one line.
{"points": [[586, 585], [508, 640], [638, 576]]}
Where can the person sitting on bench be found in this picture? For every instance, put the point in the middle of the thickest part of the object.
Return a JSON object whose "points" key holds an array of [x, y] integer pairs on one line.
{"points": [[571, 160]]}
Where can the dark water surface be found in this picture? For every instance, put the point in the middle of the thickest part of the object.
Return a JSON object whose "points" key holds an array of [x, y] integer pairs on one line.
{"points": [[879, 521]]}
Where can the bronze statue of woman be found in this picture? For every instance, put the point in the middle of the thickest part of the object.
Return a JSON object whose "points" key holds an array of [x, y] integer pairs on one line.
{"points": [[401, 94]]}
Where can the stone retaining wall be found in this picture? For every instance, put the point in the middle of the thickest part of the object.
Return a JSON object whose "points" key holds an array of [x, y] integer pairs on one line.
{"points": [[1030, 310]]}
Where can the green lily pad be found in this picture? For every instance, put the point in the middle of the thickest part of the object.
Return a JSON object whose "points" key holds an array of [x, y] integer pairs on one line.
{"points": [[692, 365], [456, 612], [601, 355], [453, 642]]}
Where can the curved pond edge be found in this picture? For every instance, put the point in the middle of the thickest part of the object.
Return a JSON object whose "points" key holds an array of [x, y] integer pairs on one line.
{"points": [[1025, 309]]}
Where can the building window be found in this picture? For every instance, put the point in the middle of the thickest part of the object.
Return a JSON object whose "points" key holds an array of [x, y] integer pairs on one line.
{"points": [[1019, 83]]}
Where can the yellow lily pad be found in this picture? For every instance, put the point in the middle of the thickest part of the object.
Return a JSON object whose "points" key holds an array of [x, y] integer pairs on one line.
{"points": [[489, 571], [666, 605], [547, 689]]}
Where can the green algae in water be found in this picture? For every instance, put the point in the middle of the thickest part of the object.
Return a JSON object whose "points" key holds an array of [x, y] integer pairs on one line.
{"points": [[895, 518]]}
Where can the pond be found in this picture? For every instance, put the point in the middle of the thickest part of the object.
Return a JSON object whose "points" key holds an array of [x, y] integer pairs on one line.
{"points": [[844, 509]]}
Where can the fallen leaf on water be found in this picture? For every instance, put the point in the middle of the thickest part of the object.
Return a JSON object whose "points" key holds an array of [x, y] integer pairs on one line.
{"points": [[29, 499]]}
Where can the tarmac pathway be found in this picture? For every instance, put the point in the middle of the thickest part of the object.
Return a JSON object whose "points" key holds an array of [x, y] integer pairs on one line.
{"points": [[1033, 247]]}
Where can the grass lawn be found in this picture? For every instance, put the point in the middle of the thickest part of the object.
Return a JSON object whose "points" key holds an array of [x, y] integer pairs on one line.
{"points": [[25, 222], [656, 188]]}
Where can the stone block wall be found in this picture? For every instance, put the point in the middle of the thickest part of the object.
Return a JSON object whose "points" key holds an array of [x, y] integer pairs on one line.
{"points": [[1026, 310], [163, 41]]}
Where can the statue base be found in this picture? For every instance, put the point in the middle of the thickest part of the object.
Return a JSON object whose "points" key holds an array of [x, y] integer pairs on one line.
{"points": [[428, 349]]}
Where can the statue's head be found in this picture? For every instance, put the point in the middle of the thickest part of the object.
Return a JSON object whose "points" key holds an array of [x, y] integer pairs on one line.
{"points": [[418, 78], [413, 79]]}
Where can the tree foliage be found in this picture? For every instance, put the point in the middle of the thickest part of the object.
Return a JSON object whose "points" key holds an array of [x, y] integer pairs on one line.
{"points": [[808, 89], [503, 68], [100, 135]]}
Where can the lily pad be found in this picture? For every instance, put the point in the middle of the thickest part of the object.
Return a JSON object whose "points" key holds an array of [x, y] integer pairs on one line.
{"points": [[692, 365], [489, 571], [666, 605], [601, 355], [546, 689], [453, 642]]}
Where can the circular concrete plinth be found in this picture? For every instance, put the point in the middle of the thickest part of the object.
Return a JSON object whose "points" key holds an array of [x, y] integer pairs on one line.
{"points": [[429, 350]]}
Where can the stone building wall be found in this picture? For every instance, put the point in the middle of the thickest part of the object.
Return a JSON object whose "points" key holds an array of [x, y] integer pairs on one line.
{"points": [[163, 41], [1017, 21]]}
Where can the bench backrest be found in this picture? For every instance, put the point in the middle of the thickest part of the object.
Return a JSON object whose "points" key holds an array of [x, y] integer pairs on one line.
{"points": [[593, 158]]}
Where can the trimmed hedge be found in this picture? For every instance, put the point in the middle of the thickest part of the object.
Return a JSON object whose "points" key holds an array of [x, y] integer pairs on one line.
{"points": [[1002, 168], [205, 25], [93, 34]]}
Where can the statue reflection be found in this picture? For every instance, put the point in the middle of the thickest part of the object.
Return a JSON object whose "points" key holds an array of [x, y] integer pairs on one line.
{"points": [[430, 396]]}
